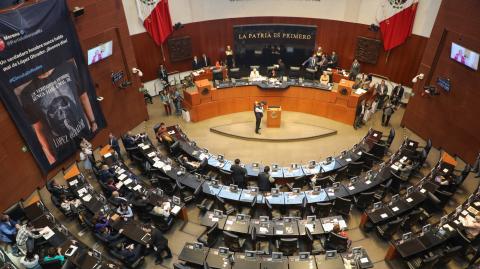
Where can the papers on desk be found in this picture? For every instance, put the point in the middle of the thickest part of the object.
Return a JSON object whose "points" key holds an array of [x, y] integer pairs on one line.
{"points": [[203, 156], [141, 145], [82, 192], [119, 185], [409, 200], [128, 181], [477, 204], [384, 216], [360, 91], [136, 188], [375, 134], [121, 171], [423, 190], [151, 154], [122, 176], [71, 250], [348, 159], [156, 159], [395, 209], [394, 167], [159, 165], [146, 147], [176, 209], [472, 210], [448, 227], [368, 182], [351, 188], [363, 260], [107, 155], [87, 197], [73, 182], [279, 232], [213, 219], [359, 153], [167, 168], [263, 230], [229, 222], [309, 226], [327, 227], [47, 233]]}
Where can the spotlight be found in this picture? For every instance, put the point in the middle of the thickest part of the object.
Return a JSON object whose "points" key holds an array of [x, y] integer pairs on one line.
{"points": [[78, 11]]}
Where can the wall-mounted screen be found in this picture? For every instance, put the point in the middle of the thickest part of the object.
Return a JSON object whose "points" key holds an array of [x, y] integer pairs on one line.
{"points": [[464, 56], [99, 52]]}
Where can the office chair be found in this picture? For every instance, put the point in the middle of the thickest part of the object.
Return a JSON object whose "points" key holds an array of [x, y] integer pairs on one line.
{"points": [[381, 147], [234, 73], [341, 174], [217, 74], [427, 147], [314, 245], [294, 72], [364, 200], [325, 182], [336, 242], [424, 263], [115, 252], [164, 184], [382, 190], [298, 212], [206, 205], [249, 210], [448, 254], [288, 246], [411, 220], [210, 236], [310, 73], [16, 212], [260, 243], [342, 206], [233, 242], [53, 264], [355, 168], [386, 231], [322, 210], [162, 223], [435, 202], [369, 160], [186, 194], [458, 179], [226, 177], [274, 214], [202, 167], [299, 182], [225, 207]]}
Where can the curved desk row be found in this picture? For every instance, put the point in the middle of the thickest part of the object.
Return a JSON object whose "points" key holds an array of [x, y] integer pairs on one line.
{"points": [[168, 168], [326, 103], [194, 253], [368, 144]]}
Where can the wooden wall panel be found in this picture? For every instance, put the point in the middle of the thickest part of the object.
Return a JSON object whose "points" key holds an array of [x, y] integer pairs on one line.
{"points": [[123, 109], [450, 119], [211, 37]]}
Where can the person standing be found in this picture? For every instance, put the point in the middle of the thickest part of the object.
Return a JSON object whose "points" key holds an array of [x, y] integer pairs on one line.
{"points": [[177, 101], [333, 62], [113, 142], [476, 166], [205, 61], [162, 74], [238, 174], [397, 94], [258, 109], [25, 237], [354, 70], [265, 180], [166, 101], [387, 114], [195, 63], [381, 92], [229, 57], [359, 115]]}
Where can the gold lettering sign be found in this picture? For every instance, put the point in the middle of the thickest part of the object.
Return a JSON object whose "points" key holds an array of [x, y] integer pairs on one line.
{"points": [[274, 35]]}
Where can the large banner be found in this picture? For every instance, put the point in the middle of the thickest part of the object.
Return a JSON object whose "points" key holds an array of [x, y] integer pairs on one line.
{"points": [[275, 34], [45, 83]]}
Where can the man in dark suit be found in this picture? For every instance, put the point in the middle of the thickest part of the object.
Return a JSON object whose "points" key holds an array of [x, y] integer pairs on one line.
{"points": [[196, 64], [397, 94], [333, 62], [354, 70], [205, 62], [238, 174], [163, 74], [258, 110], [265, 180], [381, 91], [113, 142], [311, 62], [159, 245], [281, 68]]}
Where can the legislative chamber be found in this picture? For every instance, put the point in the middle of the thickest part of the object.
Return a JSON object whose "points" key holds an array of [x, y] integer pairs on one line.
{"points": [[200, 134]]}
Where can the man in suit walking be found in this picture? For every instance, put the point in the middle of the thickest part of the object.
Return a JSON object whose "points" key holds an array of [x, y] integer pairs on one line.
{"points": [[354, 70], [311, 62]]}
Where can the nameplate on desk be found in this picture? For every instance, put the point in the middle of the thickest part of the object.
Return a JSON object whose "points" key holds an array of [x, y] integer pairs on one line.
{"points": [[136, 188], [445, 170], [395, 209], [156, 159], [73, 182], [229, 222], [159, 165], [127, 181], [151, 154], [122, 176], [167, 168], [384, 216], [176, 209], [394, 167], [263, 230], [409, 200], [279, 232], [87, 198], [214, 219], [359, 153], [121, 171], [375, 134], [107, 155]]}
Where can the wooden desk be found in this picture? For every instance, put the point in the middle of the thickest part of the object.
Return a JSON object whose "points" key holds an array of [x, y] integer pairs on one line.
{"points": [[274, 117], [328, 104], [208, 74]]}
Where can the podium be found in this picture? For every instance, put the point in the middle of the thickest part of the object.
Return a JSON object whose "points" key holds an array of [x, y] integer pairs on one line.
{"points": [[274, 117]]}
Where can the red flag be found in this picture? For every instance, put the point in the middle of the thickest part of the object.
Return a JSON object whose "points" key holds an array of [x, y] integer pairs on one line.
{"points": [[156, 19], [396, 19]]}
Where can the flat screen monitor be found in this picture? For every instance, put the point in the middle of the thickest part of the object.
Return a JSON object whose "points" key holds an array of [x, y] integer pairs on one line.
{"points": [[101, 52], [464, 56]]}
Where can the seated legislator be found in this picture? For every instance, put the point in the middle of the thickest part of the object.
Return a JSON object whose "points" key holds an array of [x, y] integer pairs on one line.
{"points": [[54, 254], [196, 63], [265, 180], [239, 174], [162, 209], [161, 130], [30, 261], [100, 221], [105, 174], [129, 251], [190, 165], [108, 235], [324, 78], [471, 226], [116, 199], [69, 206], [205, 61], [125, 211], [254, 74]]}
